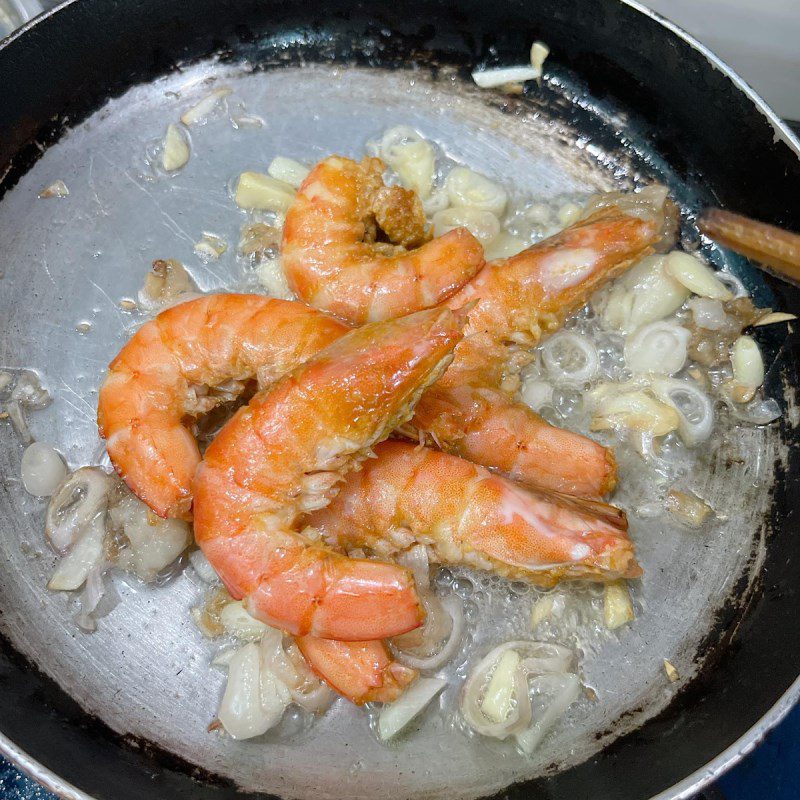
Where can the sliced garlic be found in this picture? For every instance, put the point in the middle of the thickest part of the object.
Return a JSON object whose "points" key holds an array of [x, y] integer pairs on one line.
{"points": [[617, 605], [176, 149], [748, 363], [473, 190], [645, 293], [696, 276], [199, 112], [672, 673], [256, 190], [239, 623], [272, 277], [483, 225], [288, 170], [536, 394]]}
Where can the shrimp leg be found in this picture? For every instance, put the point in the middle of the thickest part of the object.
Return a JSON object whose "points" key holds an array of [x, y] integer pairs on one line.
{"points": [[283, 455]]}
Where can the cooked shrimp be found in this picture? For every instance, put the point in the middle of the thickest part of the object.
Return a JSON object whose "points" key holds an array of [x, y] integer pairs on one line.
{"points": [[282, 456], [363, 672], [468, 515], [486, 425], [181, 364], [516, 300], [333, 261]]}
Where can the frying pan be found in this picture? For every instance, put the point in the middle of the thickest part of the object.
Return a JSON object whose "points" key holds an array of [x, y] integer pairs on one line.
{"points": [[627, 98]]}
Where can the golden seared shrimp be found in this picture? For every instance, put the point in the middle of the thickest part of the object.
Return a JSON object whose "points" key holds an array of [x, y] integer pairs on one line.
{"points": [[283, 455], [468, 515], [470, 412], [333, 260], [363, 672], [180, 365]]}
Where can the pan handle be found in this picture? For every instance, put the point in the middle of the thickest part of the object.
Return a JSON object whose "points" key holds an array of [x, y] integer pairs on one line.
{"points": [[776, 248]]}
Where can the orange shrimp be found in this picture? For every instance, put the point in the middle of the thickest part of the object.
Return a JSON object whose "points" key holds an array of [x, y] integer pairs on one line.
{"points": [[363, 672], [332, 260], [181, 364], [468, 515], [516, 300], [282, 456]]}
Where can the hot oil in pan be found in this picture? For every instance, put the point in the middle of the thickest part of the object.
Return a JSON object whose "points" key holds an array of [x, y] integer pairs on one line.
{"points": [[145, 672]]}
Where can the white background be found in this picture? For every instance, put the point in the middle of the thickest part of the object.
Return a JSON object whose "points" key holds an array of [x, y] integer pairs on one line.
{"points": [[760, 39]]}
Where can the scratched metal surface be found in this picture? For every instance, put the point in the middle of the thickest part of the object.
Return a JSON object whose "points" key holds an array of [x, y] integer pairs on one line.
{"points": [[146, 672]]}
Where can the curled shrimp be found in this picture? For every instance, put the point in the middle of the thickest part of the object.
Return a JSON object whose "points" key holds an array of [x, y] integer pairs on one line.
{"points": [[282, 456], [468, 515], [183, 363], [332, 257], [363, 672]]}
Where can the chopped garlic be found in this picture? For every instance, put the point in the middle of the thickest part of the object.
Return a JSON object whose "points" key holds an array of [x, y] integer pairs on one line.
{"points": [[696, 276], [748, 363], [672, 673], [499, 694], [617, 605], [772, 318], [210, 247], [483, 225], [542, 610], [256, 190], [568, 214], [56, 189], [272, 277], [504, 245], [176, 149], [687, 508], [492, 78], [539, 52], [201, 110], [239, 623], [288, 170]]}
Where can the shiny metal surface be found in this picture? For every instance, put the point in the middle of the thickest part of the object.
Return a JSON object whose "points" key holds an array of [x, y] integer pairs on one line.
{"points": [[145, 671]]}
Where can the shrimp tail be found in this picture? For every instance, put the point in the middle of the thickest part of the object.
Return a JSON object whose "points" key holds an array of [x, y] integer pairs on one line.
{"points": [[363, 672]]}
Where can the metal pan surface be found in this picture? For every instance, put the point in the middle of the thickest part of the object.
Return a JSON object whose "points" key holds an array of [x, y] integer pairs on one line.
{"points": [[124, 711]]}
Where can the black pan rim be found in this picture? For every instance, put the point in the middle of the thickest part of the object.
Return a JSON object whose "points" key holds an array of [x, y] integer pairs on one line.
{"points": [[752, 737]]}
